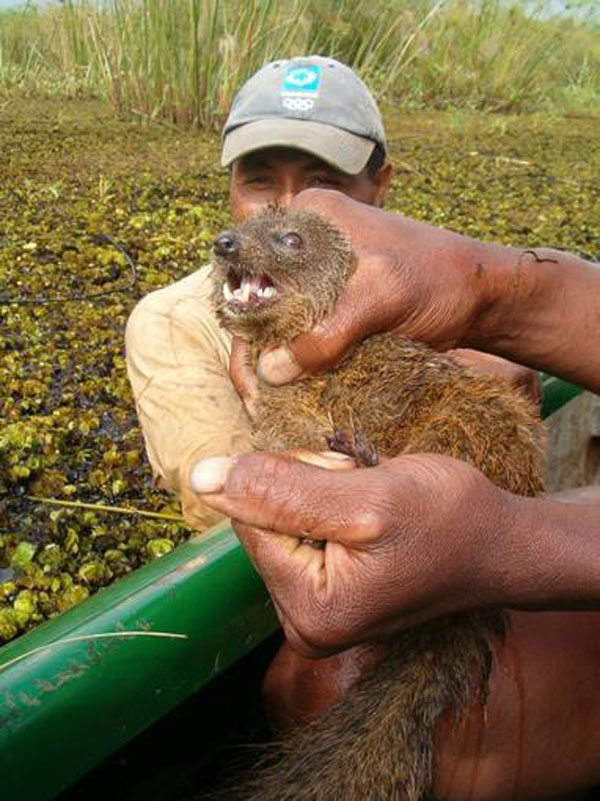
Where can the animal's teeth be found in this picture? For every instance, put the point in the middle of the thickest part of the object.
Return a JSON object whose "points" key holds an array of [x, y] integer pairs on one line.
{"points": [[246, 289], [249, 286]]}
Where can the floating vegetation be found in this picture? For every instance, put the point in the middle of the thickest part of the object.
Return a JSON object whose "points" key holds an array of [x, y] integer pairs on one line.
{"points": [[73, 185], [74, 182]]}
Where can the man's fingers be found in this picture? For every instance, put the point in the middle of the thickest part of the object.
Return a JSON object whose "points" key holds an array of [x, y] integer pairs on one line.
{"points": [[280, 493], [283, 560], [521, 378], [303, 589], [293, 572]]}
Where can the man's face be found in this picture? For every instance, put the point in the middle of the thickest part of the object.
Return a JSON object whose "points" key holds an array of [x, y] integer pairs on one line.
{"points": [[276, 174]]}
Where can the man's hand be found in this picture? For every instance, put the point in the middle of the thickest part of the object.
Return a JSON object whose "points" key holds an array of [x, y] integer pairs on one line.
{"points": [[411, 278], [537, 307], [397, 552], [521, 379]]}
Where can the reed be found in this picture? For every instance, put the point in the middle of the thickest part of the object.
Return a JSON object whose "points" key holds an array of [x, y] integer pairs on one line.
{"points": [[182, 60]]}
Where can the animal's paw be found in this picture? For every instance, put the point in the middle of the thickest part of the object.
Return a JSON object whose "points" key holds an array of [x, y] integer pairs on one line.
{"points": [[355, 445]]}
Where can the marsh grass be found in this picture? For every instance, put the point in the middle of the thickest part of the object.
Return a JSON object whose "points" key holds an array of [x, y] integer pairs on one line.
{"points": [[181, 60]]}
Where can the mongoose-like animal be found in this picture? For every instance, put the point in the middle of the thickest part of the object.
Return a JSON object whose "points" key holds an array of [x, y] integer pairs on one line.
{"points": [[275, 276]]}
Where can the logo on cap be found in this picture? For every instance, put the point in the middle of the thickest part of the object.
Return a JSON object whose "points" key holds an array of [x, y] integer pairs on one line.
{"points": [[301, 81], [300, 87]]}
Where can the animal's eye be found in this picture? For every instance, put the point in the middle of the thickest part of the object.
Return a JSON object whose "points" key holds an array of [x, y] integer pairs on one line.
{"points": [[292, 240]]}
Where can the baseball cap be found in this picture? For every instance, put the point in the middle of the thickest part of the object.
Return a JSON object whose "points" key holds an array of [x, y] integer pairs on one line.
{"points": [[312, 103]]}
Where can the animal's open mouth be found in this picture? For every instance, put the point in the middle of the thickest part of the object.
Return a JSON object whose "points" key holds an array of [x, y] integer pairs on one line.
{"points": [[248, 289]]}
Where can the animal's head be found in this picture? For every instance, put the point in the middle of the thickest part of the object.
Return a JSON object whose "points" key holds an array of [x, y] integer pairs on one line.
{"points": [[278, 273]]}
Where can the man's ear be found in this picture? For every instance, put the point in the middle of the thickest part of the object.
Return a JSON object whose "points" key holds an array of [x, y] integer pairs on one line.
{"points": [[383, 180]]}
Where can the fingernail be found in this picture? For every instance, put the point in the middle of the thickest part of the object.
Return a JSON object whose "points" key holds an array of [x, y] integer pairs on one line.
{"points": [[335, 456], [278, 366], [210, 475], [327, 459]]}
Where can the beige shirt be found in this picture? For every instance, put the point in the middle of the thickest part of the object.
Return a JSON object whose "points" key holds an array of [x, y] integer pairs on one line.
{"points": [[178, 365]]}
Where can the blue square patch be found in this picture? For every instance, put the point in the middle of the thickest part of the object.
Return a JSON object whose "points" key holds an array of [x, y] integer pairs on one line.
{"points": [[301, 81]]}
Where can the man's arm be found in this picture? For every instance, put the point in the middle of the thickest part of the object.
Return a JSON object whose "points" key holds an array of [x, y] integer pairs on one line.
{"points": [[536, 307], [177, 360], [413, 539], [541, 308]]}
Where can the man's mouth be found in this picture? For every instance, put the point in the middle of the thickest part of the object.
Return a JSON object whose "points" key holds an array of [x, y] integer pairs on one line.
{"points": [[247, 289]]}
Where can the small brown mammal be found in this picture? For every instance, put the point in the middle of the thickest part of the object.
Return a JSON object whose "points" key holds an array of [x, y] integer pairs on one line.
{"points": [[275, 276]]}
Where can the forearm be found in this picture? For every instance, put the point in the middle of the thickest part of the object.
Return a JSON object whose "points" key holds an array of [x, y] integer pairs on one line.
{"points": [[538, 307], [545, 554]]}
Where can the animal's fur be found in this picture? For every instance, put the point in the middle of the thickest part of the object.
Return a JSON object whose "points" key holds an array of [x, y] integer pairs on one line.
{"points": [[400, 397]]}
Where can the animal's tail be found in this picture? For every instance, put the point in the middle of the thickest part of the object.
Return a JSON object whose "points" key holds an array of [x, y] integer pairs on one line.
{"points": [[376, 744]]}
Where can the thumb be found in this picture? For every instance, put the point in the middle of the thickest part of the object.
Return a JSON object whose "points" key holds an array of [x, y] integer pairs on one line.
{"points": [[360, 311], [279, 493], [318, 349]]}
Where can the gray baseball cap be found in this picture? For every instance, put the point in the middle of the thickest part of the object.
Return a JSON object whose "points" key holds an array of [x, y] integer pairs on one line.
{"points": [[312, 103]]}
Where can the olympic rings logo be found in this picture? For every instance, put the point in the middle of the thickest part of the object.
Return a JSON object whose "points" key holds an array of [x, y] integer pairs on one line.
{"points": [[298, 103]]}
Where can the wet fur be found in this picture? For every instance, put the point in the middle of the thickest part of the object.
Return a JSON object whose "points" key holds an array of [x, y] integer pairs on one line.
{"points": [[377, 743]]}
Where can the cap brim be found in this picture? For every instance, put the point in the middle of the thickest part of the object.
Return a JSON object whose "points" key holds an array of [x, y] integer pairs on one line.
{"points": [[342, 149]]}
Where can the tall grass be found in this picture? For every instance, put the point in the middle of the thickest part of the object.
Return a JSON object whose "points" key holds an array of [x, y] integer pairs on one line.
{"points": [[181, 60]]}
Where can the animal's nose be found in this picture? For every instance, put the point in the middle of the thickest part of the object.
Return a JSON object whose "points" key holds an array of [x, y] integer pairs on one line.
{"points": [[226, 245]]}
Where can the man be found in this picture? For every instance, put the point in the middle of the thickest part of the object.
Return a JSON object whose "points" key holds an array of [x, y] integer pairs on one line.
{"points": [[294, 125], [306, 122]]}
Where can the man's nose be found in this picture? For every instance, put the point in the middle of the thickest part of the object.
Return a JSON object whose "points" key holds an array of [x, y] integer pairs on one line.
{"points": [[286, 195], [226, 245]]}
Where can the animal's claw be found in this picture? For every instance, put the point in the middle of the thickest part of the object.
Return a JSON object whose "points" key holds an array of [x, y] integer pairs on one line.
{"points": [[355, 445]]}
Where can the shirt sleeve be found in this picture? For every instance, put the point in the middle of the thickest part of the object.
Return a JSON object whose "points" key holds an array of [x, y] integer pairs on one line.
{"points": [[178, 365]]}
